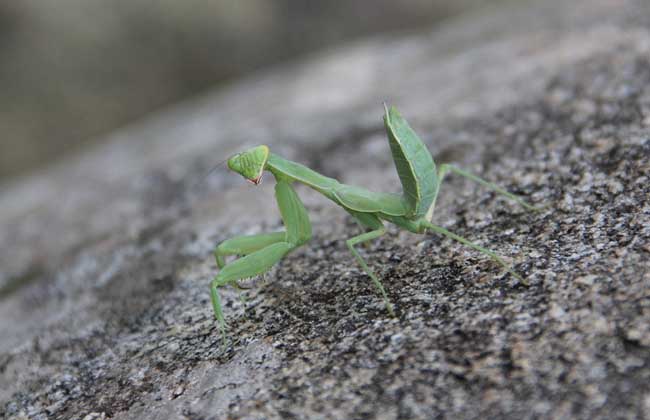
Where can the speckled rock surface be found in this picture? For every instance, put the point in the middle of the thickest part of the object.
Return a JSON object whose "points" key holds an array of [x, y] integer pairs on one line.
{"points": [[106, 257]]}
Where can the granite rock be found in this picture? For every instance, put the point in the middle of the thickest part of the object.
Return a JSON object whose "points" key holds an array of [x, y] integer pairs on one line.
{"points": [[106, 256]]}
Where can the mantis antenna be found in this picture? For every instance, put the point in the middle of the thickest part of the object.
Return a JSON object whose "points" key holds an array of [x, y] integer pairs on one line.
{"points": [[210, 172], [213, 169]]}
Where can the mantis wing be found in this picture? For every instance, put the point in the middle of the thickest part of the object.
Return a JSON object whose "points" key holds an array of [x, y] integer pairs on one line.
{"points": [[414, 164], [364, 201]]}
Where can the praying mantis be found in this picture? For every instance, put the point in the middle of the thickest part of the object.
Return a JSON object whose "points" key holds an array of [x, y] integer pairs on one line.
{"points": [[412, 210]]}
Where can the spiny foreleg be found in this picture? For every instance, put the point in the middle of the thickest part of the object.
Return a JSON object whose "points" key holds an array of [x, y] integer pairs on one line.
{"points": [[263, 251], [251, 265]]}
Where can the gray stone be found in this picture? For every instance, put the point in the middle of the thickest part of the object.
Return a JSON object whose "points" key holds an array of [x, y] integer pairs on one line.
{"points": [[106, 257]]}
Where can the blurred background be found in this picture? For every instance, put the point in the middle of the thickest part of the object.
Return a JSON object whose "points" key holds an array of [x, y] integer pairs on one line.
{"points": [[72, 70]]}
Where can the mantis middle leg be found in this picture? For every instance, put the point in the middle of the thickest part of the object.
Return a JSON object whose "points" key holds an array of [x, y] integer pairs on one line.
{"points": [[373, 222], [262, 251]]}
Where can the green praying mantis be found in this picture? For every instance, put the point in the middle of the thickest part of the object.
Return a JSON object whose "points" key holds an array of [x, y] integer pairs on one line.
{"points": [[412, 210]]}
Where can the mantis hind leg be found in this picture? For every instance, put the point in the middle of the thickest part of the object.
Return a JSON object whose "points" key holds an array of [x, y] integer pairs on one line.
{"points": [[369, 220], [467, 242], [446, 168], [442, 171]]}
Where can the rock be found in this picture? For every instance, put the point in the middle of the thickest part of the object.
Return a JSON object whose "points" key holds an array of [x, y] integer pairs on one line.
{"points": [[106, 257]]}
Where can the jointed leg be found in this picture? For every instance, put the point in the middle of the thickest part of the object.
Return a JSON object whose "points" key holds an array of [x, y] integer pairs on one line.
{"points": [[251, 265], [444, 168], [442, 171], [491, 254], [363, 238], [261, 252], [244, 245]]}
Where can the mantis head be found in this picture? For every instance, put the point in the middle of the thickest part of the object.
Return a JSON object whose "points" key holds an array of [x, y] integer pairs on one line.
{"points": [[251, 163]]}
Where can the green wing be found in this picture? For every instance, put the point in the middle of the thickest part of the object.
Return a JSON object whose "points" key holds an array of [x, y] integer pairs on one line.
{"points": [[364, 201], [414, 164]]}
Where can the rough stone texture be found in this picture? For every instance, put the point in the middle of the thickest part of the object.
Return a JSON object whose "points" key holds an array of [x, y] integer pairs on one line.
{"points": [[106, 257]]}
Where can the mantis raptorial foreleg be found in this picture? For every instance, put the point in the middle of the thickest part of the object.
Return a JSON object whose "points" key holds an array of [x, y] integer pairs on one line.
{"points": [[261, 256], [251, 265], [244, 245]]}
